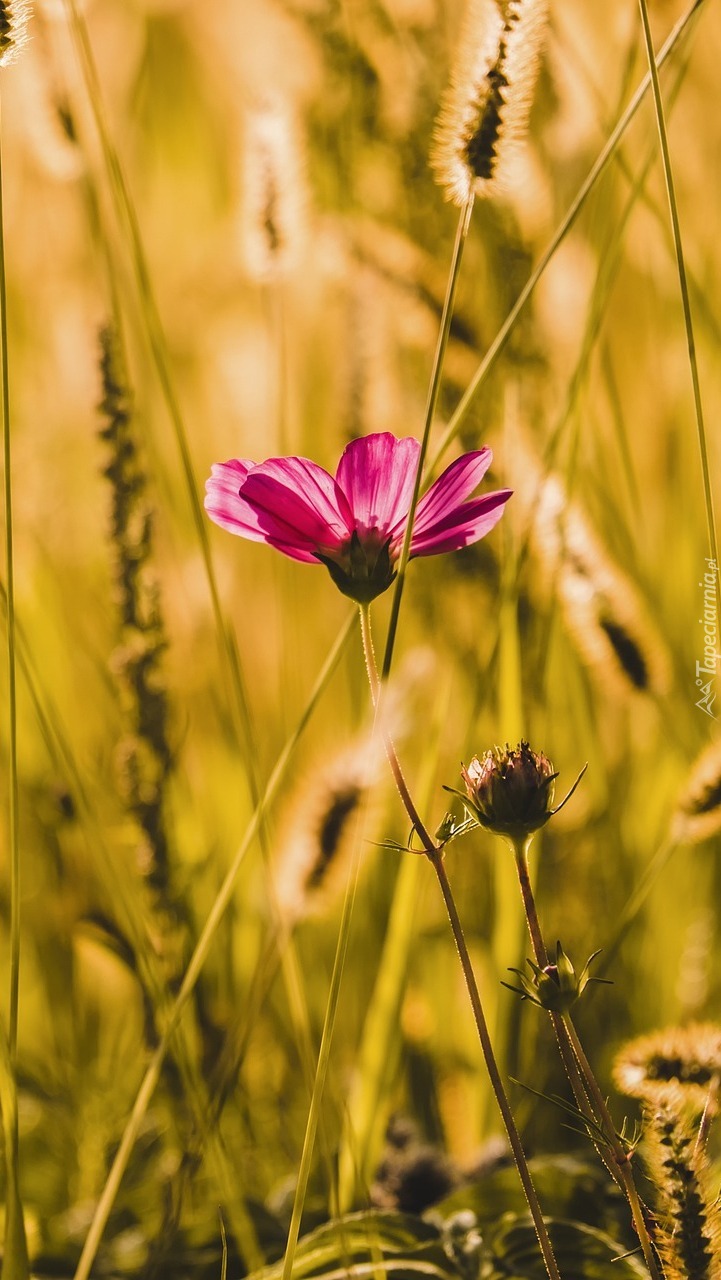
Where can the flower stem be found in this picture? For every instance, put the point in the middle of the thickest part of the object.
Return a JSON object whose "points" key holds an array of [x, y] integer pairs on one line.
{"points": [[580, 1074], [434, 854], [464, 222]]}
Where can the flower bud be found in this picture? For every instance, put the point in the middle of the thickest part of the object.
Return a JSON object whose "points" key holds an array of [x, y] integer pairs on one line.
{"points": [[556, 987], [511, 791]]}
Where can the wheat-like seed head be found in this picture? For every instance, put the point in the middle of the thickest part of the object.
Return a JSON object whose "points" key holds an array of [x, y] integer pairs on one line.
{"points": [[486, 106], [602, 608], [14, 18], [670, 1067], [321, 831], [686, 1231], [273, 199], [698, 812]]}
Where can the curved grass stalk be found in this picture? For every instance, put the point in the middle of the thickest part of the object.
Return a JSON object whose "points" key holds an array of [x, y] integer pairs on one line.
{"points": [[683, 287], [653, 871], [15, 1253], [326, 1040], [597, 169], [15, 1247], [13, 833], [195, 966], [158, 346], [434, 387]]}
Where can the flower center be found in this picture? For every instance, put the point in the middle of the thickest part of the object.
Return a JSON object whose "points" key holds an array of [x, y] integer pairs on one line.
{"points": [[362, 567]]}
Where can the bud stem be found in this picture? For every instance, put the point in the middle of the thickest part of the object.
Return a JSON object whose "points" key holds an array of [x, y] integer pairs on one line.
{"points": [[580, 1074], [434, 853]]}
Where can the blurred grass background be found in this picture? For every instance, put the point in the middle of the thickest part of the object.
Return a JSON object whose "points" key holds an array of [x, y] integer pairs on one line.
{"points": [[331, 339]]}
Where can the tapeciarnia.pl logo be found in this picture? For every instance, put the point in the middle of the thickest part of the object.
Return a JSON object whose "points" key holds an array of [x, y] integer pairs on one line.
{"points": [[706, 670]]}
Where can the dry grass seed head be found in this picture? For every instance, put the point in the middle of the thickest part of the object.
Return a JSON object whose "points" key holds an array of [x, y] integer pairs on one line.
{"points": [[274, 203], [14, 18], [688, 1240], [48, 123], [674, 1066], [322, 830], [486, 106], [603, 610], [698, 812]]}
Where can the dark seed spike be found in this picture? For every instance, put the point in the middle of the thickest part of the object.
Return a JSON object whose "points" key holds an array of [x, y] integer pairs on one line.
{"points": [[627, 651], [334, 823]]}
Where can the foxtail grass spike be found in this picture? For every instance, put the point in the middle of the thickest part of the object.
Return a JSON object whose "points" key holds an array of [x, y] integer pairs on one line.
{"points": [[274, 201], [603, 609], [14, 18], [315, 857], [486, 106], [688, 1240], [698, 812], [675, 1063]]}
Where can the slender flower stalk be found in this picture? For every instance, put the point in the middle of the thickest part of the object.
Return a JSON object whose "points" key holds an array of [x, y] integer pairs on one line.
{"points": [[578, 1067], [434, 853]]}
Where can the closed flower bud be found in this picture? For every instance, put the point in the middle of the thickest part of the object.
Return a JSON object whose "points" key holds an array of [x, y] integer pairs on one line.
{"points": [[557, 986], [510, 791]]}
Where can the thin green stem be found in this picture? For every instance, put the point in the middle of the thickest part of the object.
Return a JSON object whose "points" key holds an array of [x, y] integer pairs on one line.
{"points": [[374, 680], [464, 222], [653, 871], [598, 168], [435, 856], [13, 835], [683, 286], [311, 1129], [194, 969], [579, 1071], [15, 1247], [15, 1254]]}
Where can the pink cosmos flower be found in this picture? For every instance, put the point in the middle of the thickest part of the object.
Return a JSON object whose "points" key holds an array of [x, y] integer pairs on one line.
{"points": [[354, 523]]}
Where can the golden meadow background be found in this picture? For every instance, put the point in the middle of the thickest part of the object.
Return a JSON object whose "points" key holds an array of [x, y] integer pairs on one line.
{"points": [[591, 656]]}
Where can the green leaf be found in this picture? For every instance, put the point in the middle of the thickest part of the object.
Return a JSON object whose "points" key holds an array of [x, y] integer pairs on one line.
{"points": [[583, 1253], [373, 1243], [567, 1188]]}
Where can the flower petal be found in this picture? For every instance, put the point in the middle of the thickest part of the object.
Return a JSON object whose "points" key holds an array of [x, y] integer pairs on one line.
{"points": [[298, 507], [223, 501], [376, 473], [467, 524], [228, 509], [451, 488]]}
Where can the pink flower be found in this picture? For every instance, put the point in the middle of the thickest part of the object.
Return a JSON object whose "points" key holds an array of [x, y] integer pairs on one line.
{"points": [[354, 524]]}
